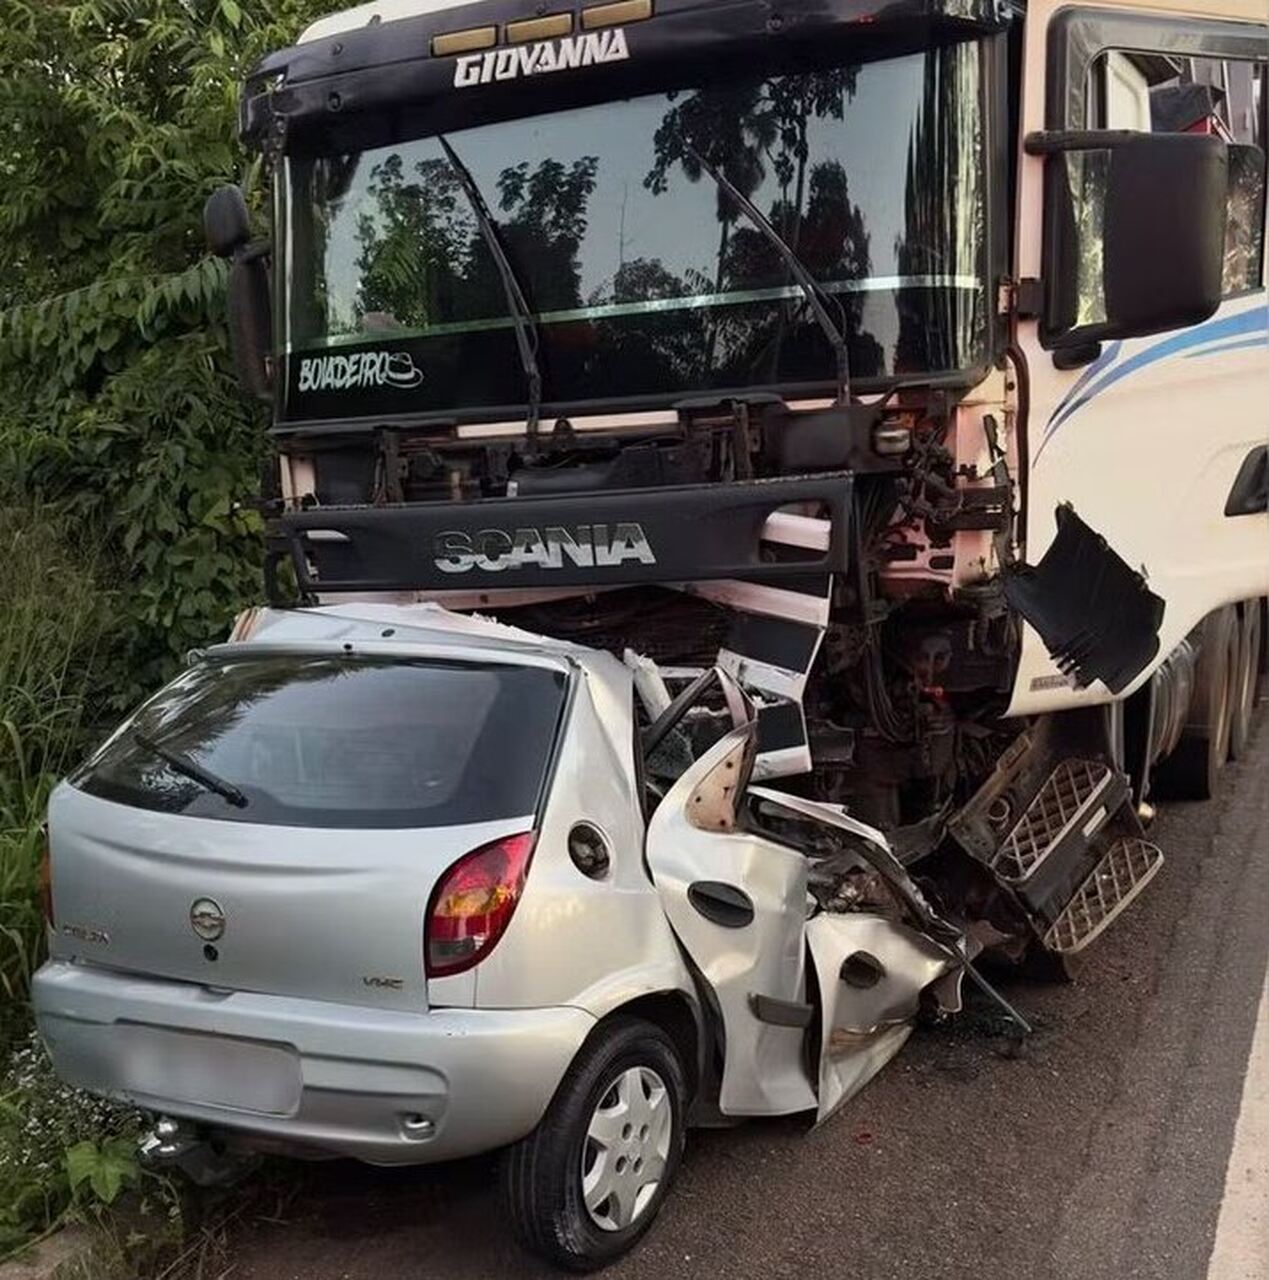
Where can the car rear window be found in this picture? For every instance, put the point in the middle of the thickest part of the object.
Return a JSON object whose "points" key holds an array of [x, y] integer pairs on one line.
{"points": [[339, 741]]}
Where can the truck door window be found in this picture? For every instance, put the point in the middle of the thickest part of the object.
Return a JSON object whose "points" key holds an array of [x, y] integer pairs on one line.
{"points": [[1166, 94]]}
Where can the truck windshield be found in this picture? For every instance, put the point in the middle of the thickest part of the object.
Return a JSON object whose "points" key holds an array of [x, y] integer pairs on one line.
{"points": [[324, 741], [645, 280]]}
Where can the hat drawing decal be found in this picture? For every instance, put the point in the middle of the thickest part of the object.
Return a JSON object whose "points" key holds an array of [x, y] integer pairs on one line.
{"points": [[402, 371]]}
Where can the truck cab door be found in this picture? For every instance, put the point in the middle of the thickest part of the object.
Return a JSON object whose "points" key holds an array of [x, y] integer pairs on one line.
{"points": [[1144, 436]]}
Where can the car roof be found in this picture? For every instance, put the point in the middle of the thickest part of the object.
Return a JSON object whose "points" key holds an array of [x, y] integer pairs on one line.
{"points": [[426, 625]]}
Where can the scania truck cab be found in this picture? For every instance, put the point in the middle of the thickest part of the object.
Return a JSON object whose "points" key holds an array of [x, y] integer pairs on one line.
{"points": [[883, 389], [912, 360]]}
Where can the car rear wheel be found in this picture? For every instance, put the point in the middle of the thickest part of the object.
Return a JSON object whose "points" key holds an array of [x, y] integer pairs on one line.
{"points": [[1246, 684], [589, 1180]]}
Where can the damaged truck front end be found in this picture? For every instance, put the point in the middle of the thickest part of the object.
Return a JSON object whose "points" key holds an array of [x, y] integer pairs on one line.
{"points": [[742, 390]]}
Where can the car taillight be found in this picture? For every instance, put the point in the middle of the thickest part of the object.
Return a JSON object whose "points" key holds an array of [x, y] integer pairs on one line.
{"points": [[46, 878], [473, 903]]}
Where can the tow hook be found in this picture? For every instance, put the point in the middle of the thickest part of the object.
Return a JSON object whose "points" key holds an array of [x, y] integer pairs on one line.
{"points": [[177, 1144]]}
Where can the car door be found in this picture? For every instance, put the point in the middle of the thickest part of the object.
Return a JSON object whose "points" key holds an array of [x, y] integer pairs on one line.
{"points": [[737, 899], [737, 902]]}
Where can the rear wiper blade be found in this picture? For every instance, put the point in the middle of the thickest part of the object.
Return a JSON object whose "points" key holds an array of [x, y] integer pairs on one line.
{"points": [[526, 330], [195, 772], [815, 294]]}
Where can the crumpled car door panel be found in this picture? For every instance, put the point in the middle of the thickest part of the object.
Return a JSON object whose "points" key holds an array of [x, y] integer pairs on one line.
{"points": [[737, 903], [871, 972]]}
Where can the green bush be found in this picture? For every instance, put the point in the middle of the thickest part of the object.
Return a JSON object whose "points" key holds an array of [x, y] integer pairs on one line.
{"points": [[128, 458], [64, 1153], [117, 402], [51, 651]]}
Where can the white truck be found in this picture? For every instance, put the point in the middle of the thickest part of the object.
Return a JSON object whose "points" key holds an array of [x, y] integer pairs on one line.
{"points": [[912, 364]]}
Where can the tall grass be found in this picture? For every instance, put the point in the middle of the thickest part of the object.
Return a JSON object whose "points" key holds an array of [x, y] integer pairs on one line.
{"points": [[51, 626], [63, 1153]]}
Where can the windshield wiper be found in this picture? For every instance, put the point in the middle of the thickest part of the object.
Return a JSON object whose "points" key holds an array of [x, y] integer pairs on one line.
{"points": [[195, 772], [815, 294], [526, 330]]}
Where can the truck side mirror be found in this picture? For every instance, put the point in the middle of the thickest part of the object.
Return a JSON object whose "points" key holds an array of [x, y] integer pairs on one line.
{"points": [[1134, 232], [227, 225], [251, 320]]}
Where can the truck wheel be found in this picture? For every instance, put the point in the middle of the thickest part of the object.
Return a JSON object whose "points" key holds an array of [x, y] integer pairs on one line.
{"points": [[1192, 771], [589, 1180], [1247, 682]]}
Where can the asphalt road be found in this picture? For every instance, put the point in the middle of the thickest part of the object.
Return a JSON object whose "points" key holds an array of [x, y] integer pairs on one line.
{"points": [[1100, 1152]]}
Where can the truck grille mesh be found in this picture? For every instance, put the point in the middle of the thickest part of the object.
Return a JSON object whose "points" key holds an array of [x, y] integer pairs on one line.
{"points": [[1125, 870], [1067, 792]]}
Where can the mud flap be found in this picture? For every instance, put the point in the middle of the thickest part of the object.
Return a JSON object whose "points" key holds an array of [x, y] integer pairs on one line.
{"points": [[1094, 612], [871, 972], [738, 904]]}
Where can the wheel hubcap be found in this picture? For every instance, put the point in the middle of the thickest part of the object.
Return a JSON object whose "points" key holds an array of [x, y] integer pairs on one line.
{"points": [[626, 1148]]}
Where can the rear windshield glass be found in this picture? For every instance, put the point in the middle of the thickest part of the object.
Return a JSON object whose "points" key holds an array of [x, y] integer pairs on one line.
{"points": [[325, 741]]}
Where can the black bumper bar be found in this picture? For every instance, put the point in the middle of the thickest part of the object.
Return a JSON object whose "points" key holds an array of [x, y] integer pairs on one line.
{"points": [[623, 537]]}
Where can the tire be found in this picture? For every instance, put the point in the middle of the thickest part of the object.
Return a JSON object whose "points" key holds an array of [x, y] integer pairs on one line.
{"points": [[628, 1068], [1193, 770], [1247, 683]]}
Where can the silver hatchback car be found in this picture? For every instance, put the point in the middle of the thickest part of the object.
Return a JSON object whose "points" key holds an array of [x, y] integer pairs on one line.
{"points": [[399, 884]]}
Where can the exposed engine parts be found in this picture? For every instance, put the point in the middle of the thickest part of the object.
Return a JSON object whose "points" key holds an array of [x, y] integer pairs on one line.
{"points": [[853, 568]]}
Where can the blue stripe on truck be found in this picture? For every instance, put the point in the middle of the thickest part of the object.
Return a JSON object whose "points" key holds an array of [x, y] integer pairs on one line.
{"points": [[1246, 329]]}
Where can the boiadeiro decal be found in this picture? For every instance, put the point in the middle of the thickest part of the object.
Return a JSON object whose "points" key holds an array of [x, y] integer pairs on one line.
{"points": [[541, 58], [361, 369], [587, 545]]}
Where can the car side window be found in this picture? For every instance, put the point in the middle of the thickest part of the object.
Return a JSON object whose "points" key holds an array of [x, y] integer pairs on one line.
{"points": [[1171, 94]]}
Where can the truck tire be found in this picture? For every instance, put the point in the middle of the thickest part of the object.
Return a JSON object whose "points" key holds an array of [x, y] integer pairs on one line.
{"points": [[1247, 681], [577, 1188], [1193, 770]]}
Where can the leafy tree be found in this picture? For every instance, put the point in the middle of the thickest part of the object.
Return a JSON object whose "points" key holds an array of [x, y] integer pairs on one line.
{"points": [[116, 398], [415, 244], [943, 213], [747, 133], [732, 130], [663, 350], [833, 242], [544, 222]]}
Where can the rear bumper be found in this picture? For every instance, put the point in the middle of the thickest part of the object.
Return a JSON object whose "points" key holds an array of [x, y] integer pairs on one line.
{"points": [[388, 1087]]}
